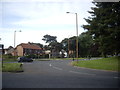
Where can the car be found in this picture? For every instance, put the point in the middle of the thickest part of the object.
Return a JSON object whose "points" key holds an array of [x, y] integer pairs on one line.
{"points": [[24, 59]]}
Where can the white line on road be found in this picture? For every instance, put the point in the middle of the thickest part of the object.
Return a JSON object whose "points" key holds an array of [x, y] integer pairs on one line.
{"points": [[69, 71], [55, 67], [116, 77], [50, 65], [81, 73]]}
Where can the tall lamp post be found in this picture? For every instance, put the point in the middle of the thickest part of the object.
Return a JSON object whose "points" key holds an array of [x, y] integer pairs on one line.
{"points": [[76, 34], [68, 47], [15, 39]]}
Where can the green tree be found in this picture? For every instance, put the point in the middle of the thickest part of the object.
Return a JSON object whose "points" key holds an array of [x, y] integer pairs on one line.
{"points": [[64, 43], [85, 44], [104, 26], [48, 38], [56, 46], [69, 44]]}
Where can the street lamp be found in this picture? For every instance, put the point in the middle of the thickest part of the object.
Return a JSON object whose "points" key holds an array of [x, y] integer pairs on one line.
{"points": [[76, 34], [68, 47], [15, 39]]}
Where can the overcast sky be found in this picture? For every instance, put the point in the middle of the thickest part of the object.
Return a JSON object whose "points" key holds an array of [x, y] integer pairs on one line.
{"points": [[36, 18]]}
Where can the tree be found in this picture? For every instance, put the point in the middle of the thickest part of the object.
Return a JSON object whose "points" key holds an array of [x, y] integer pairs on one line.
{"points": [[104, 26], [70, 44], [54, 46], [85, 44], [48, 39], [64, 43]]}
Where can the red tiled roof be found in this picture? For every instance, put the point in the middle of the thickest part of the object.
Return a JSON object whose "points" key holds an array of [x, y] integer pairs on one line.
{"points": [[30, 46]]}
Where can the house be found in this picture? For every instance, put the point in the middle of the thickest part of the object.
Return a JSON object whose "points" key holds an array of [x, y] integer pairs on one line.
{"points": [[24, 49], [9, 50]]}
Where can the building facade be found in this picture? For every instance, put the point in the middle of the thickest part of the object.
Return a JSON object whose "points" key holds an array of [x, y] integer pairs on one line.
{"points": [[9, 50], [25, 49]]}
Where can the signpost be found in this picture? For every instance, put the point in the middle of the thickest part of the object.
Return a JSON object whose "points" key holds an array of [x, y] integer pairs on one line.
{"points": [[1, 53], [1, 62]]}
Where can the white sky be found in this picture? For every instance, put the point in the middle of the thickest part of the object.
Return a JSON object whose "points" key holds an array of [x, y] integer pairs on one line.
{"points": [[36, 18]]}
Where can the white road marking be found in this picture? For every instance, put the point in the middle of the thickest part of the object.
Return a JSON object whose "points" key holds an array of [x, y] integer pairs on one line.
{"points": [[55, 67], [116, 77], [50, 65], [69, 71], [81, 73]]}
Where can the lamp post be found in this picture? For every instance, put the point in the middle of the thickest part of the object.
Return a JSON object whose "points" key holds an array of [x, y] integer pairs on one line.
{"points": [[76, 34], [15, 39], [68, 47]]}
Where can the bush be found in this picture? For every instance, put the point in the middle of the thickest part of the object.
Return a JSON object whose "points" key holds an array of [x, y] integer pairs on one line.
{"points": [[9, 57]]}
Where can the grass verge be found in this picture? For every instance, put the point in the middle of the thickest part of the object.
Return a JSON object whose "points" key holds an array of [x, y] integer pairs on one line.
{"points": [[12, 67], [102, 64]]}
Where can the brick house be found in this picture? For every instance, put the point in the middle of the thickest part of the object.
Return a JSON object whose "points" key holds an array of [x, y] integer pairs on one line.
{"points": [[24, 49]]}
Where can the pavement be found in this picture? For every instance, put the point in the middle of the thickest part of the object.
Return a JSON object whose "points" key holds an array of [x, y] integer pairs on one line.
{"points": [[59, 74]]}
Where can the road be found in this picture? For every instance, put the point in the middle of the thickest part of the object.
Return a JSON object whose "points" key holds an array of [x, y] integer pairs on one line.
{"points": [[59, 74]]}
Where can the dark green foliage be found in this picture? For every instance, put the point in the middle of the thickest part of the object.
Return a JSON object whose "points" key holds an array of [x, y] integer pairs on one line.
{"points": [[104, 26], [86, 46], [55, 45], [69, 44], [85, 43], [49, 39], [65, 44], [9, 57]]}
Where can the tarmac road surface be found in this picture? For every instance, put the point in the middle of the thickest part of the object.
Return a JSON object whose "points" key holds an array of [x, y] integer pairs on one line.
{"points": [[59, 74]]}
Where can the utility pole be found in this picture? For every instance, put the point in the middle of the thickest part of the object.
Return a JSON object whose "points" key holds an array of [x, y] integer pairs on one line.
{"points": [[76, 37], [76, 34], [15, 41], [68, 47]]}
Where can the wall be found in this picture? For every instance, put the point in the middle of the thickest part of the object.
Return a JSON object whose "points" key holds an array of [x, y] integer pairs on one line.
{"points": [[19, 51]]}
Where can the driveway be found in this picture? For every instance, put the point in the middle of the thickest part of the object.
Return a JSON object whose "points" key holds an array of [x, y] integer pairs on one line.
{"points": [[59, 74]]}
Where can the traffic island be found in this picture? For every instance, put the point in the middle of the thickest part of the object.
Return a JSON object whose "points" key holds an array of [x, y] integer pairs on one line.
{"points": [[12, 67]]}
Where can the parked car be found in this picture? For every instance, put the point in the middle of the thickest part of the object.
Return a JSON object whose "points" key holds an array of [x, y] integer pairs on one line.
{"points": [[24, 59]]}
